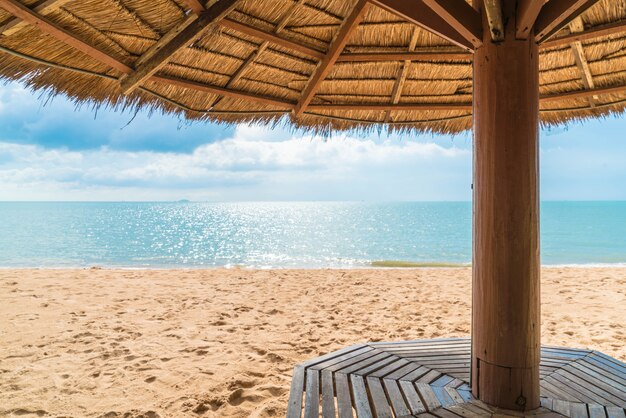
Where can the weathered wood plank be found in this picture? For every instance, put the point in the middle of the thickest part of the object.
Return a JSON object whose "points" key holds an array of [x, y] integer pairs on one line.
{"points": [[294, 407], [562, 407], [390, 368], [590, 379], [369, 364], [424, 342], [429, 377], [426, 351], [443, 396], [455, 383], [400, 408], [445, 413], [403, 371], [312, 395], [588, 390], [596, 411], [615, 412], [454, 394], [442, 381], [465, 412], [344, 400], [600, 371], [578, 410], [465, 394], [345, 359], [328, 395], [546, 403], [428, 396], [610, 363], [361, 400], [615, 362], [412, 397], [558, 390], [379, 400], [545, 392]]}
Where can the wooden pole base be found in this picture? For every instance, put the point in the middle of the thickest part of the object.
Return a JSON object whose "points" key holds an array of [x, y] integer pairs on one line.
{"points": [[506, 305]]}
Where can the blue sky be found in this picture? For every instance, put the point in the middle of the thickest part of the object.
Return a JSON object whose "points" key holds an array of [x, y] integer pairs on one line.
{"points": [[49, 150]]}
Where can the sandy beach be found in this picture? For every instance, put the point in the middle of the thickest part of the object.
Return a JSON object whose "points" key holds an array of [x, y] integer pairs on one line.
{"points": [[222, 343]]}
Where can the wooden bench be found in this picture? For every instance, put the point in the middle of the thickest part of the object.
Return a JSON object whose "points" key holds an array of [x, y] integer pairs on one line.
{"points": [[430, 378]]}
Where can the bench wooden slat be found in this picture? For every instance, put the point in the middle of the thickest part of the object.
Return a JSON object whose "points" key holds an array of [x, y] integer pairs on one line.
{"points": [[361, 400], [578, 410], [609, 361], [615, 412], [312, 400], [347, 362], [316, 360], [455, 383], [444, 413], [379, 400], [588, 390], [403, 371], [415, 403], [465, 394], [294, 407], [437, 342], [603, 372], [429, 377], [443, 396], [368, 369], [463, 411], [442, 381], [596, 411], [558, 389], [426, 392], [416, 374], [400, 407], [561, 406], [328, 395], [376, 361], [344, 400], [387, 380], [389, 368], [454, 394], [609, 389], [358, 353], [581, 389]]}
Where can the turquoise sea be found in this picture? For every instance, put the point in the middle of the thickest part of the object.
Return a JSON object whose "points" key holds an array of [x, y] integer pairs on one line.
{"points": [[315, 234]]}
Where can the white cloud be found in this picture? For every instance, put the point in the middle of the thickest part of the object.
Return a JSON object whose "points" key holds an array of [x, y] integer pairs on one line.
{"points": [[247, 166]]}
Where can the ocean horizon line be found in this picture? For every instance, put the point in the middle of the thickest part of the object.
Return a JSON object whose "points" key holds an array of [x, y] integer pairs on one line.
{"points": [[301, 201]]}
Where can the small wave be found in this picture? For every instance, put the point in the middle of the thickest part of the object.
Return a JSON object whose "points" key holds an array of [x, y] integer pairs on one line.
{"points": [[585, 265], [414, 264]]}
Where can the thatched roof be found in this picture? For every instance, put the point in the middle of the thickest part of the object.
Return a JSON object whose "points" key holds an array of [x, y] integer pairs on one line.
{"points": [[255, 60]]}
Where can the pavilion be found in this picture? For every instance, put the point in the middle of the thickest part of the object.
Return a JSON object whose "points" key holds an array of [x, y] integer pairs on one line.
{"points": [[499, 67]]}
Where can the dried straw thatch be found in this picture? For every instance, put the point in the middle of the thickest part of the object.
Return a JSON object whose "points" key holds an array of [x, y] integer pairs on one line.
{"points": [[432, 93]]}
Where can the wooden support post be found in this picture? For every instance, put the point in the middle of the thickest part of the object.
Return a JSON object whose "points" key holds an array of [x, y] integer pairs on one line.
{"points": [[506, 305]]}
